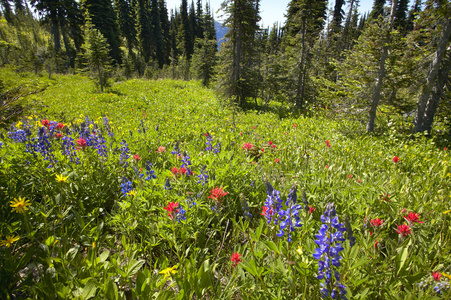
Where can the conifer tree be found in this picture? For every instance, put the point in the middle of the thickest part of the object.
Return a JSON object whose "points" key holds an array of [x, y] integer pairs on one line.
{"points": [[378, 9], [104, 19], [157, 37], [96, 54], [239, 80], [144, 24], [165, 28], [126, 21]]}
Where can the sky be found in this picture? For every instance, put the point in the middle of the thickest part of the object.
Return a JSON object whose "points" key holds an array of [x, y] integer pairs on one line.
{"points": [[271, 10]]}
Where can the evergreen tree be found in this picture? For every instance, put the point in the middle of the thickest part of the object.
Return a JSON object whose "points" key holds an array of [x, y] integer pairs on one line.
{"points": [[378, 9], [185, 32], [157, 37], [144, 25], [338, 15], [401, 14], [7, 12], [204, 59], [126, 18], [305, 19], [104, 19], [209, 23], [239, 79], [165, 28], [96, 54]]}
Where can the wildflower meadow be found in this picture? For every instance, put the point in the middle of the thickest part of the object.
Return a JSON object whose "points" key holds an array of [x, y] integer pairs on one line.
{"points": [[156, 190]]}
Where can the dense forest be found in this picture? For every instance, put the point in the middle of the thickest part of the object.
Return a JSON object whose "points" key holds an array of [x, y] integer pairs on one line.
{"points": [[396, 57]]}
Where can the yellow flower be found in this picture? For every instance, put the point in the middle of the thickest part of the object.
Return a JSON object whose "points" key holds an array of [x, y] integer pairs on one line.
{"points": [[131, 193], [9, 240], [20, 205], [19, 124], [61, 178], [446, 212], [446, 275], [169, 271]]}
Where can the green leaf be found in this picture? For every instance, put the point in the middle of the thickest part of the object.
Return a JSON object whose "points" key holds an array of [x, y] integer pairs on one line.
{"points": [[111, 291], [134, 267], [272, 246], [89, 290]]}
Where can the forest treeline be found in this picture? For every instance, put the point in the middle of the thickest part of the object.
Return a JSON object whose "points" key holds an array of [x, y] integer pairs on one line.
{"points": [[397, 55]]}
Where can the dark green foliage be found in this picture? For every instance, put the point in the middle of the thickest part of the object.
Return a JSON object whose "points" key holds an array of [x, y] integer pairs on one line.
{"points": [[239, 74], [338, 15], [165, 28], [185, 33], [95, 54], [204, 60], [104, 19], [401, 14], [378, 9], [126, 21]]}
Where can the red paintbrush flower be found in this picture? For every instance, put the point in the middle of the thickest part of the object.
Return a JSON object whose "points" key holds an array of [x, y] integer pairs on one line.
{"points": [[217, 194], [236, 259], [403, 230], [413, 218]]}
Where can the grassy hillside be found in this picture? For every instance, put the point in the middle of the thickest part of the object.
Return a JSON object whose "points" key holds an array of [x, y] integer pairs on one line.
{"points": [[156, 190]]}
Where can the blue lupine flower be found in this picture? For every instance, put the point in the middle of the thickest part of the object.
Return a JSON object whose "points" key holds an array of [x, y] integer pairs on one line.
{"points": [[290, 216], [273, 203], [126, 186], [203, 177], [1, 144], [217, 148], [68, 148], [125, 153], [180, 213], [351, 237], [245, 207], [106, 126], [208, 142], [176, 148], [19, 136], [329, 239], [149, 172], [186, 162], [167, 184]]}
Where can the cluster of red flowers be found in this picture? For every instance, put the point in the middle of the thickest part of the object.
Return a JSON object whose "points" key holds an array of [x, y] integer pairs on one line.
{"points": [[81, 142], [377, 222], [267, 211], [217, 194], [136, 157], [176, 171], [172, 209], [272, 145], [395, 159], [236, 259], [328, 143], [161, 149], [247, 146], [404, 229]]}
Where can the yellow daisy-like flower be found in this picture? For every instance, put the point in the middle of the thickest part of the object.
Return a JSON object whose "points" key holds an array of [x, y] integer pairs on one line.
{"points": [[19, 124], [169, 271], [446, 212], [61, 178], [9, 240], [20, 205], [131, 193]]}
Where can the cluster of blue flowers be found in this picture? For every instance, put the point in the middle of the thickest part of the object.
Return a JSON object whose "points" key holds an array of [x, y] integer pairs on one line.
{"points": [[125, 153], [245, 207], [180, 213], [149, 172], [106, 125], [68, 148], [186, 163], [126, 186], [203, 177], [286, 215], [289, 217], [329, 240]]}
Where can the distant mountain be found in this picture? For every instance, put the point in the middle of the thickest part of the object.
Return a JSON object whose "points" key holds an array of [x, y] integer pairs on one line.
{"points": [[220, 33]]}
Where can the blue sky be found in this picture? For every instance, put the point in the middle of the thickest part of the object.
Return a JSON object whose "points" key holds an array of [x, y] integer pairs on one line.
{"points": [[271, 10]]}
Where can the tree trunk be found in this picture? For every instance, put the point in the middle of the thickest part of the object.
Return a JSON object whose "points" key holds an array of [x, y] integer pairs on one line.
{"points": [[425, 111], [375, 99]]}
